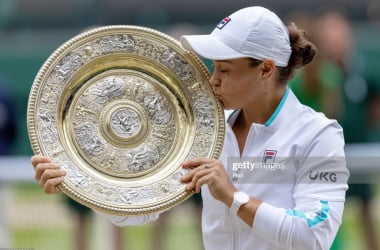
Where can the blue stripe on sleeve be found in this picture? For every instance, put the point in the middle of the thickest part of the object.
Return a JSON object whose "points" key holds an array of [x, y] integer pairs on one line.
{"points": [[316, 219]]}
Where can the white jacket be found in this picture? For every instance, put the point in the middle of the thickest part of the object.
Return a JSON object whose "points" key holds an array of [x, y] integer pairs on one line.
{"points": [[303, 193], [295, 164]]}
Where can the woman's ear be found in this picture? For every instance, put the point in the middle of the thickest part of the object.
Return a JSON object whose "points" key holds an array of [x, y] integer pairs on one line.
{"points": [[267, 69]]}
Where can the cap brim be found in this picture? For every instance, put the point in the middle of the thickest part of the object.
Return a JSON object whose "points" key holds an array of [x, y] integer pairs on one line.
{"points": [[209, 47]]}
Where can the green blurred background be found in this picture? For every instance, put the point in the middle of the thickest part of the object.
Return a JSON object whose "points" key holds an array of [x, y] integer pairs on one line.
{"points": [[30, 30]]}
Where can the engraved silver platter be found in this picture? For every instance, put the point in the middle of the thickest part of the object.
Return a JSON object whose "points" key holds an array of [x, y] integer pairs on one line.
{"points": [[120, 108]]}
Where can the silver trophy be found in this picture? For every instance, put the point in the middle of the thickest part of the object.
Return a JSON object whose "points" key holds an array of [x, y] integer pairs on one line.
{"points": [[120, 108]]}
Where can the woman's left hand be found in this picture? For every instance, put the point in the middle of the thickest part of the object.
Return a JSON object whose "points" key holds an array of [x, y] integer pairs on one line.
{"points": [[210, 172]]}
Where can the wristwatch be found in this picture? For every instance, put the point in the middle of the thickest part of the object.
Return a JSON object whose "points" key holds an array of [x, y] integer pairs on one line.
{"points": [[240, 198]]}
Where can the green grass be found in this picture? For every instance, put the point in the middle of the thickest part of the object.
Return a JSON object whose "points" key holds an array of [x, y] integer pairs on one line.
{"points": [[42, 238], [139, 237], [351, 235], [44, 222]]}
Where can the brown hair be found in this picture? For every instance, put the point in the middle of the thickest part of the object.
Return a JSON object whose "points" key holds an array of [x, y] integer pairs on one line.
{"points": [[303, 52]]}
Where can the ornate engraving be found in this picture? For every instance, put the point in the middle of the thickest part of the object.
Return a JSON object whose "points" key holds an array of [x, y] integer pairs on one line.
{"points": [[143, 158], [158, 108], [106, 89], [150, 48], [125, 122], [203, 106], [87, 137], [128, 195], [115, 43], [70, 63], [48, 123], [178, 64]]}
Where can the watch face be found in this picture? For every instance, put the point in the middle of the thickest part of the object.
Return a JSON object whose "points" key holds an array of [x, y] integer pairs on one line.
{"points": [[242, 197]]}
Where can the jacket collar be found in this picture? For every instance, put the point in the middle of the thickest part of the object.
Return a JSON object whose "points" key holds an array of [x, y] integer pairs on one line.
{"points": [[287, 101]]}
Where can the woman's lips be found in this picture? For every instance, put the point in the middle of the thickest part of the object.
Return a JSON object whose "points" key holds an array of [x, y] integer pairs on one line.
{"points": [[219, 97]]}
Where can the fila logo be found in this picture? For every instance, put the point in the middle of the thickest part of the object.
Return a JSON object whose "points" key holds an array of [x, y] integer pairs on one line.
{"points": [[269, 156], [223, 23]]}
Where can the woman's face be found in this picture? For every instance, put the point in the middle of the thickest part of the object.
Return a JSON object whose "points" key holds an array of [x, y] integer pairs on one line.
{"points": [[236, 83]]}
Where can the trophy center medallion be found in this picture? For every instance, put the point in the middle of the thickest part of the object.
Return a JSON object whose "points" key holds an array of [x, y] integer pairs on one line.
{"points": [[124, 123]]}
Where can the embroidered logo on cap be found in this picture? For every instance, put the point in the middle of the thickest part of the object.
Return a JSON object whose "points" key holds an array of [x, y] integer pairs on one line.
{"points": [[223, 23]]}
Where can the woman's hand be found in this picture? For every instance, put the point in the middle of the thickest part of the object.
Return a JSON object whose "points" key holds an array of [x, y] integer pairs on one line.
{"points": [[48, 174], [210, 172]]}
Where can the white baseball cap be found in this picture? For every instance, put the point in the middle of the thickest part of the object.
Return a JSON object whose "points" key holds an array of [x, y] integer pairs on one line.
{"points": [[254, 32]]}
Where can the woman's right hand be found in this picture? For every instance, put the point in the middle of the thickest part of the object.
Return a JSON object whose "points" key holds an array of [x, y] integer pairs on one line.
{"points": [[48, 174]]}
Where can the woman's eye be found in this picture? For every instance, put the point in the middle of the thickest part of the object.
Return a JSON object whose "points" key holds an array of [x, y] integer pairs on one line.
{"points": [[218, 68]]}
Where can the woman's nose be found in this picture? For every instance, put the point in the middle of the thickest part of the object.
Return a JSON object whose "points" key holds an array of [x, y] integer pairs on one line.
{"points": [[214, 80]]}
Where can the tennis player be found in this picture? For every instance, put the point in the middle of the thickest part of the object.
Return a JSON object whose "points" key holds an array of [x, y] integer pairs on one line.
{"points": [[281, 179]]}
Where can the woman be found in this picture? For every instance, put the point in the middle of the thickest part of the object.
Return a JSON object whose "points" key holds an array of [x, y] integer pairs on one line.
{"points": [[281, 179]]}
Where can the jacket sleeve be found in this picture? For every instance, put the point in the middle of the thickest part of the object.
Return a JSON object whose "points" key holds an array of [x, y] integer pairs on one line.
{"points": [[294, 229], [122, 221], [319, 195]]}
